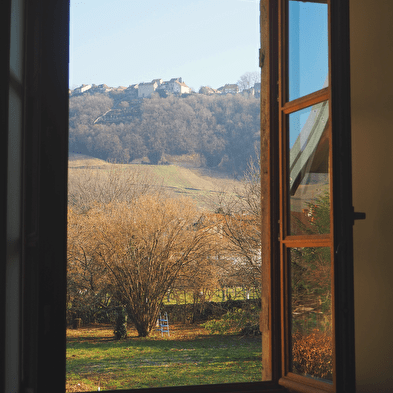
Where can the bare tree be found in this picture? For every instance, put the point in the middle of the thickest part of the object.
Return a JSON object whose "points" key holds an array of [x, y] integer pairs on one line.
{"points": [[88, 289], [248, 80], [112, 183], [239, 217], [144, 246], [88, 283]]}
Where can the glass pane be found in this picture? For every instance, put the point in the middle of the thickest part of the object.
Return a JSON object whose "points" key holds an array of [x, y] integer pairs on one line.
{"points": [[311, 313], [309, 200], [308, 48]]}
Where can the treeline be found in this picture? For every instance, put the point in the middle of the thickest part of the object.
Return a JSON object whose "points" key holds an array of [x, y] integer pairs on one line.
{"points": [[222, 130]]}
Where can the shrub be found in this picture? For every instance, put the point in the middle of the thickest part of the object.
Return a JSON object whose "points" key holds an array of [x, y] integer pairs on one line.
{"points": [[121, 324], [237, 321], [312, 354], [251, 330]]}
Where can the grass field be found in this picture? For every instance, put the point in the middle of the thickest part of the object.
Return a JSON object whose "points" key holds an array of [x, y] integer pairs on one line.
{"points": [[198, 183], [187, 357]]}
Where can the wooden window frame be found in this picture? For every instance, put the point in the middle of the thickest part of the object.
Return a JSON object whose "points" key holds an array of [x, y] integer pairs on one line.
{"points": [[274, 307], [44, 162], [286, 240]]}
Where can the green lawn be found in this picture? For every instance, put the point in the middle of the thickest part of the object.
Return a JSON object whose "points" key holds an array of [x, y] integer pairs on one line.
{"points": [[188, 357]]}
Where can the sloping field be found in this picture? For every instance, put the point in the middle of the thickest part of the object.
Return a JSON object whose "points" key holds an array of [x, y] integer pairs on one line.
{"points": [[80, 160], [197, 183]]}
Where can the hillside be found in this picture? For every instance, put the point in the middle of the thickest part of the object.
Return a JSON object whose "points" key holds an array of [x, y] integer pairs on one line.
{"points": [[222, 130], [201, 184]]}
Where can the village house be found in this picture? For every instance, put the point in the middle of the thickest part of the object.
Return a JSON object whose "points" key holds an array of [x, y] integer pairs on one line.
{"points": [[103, 88], [132, 91], [254, 91], [145, 90], [175, 86], [248, 92], [81, 89], [159, 81], [229, 89], [207, 90]]}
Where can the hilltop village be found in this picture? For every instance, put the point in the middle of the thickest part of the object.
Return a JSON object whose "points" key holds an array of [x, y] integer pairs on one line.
{"points": [[175, 86], [151, 121], [127, 101]]}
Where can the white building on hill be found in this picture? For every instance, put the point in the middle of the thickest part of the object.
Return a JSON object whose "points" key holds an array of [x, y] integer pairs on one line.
{"points": [[145, 90], [173, 86]]}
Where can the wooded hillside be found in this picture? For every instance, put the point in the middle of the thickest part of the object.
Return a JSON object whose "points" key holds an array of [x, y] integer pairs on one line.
{"points": [[223, 130]]}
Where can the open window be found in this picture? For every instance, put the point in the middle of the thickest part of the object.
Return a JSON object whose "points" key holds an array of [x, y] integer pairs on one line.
{"points": [[316, 121], [306, 202], [305, 189]]}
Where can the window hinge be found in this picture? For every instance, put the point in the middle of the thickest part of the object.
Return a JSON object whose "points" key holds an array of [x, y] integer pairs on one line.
{"points": [[261, 58]]}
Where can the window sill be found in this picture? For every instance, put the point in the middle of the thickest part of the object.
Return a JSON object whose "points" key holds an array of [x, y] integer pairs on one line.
{"points": [[298, 384]]}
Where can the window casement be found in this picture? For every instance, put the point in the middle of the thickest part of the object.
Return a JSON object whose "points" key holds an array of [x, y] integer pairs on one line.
{"points": [[42, 154], [307, 300], [305, 189]]}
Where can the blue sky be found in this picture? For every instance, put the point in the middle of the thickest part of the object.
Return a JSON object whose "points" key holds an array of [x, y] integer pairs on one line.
{"points": [[308, 47], [122, 42], [308, 56]]}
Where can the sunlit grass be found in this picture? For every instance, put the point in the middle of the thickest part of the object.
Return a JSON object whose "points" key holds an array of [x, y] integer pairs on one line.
{"points": [[187, 357]]}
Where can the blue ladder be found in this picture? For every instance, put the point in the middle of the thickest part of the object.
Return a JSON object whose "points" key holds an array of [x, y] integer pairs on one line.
{"points": [[163, 324]]}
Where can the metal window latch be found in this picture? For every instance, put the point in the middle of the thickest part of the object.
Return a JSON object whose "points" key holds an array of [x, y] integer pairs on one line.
{"points": [[357, 215]]}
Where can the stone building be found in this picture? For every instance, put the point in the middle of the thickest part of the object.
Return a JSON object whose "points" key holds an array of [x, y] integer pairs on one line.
{"points": [[145, 90], [229, 89]]}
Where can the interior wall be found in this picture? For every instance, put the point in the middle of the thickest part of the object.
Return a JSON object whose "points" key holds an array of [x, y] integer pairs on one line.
{"points": [[372, 152]]}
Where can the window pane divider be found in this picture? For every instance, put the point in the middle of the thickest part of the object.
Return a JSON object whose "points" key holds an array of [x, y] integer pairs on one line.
{"points": [[306, 101], [309, 241]]}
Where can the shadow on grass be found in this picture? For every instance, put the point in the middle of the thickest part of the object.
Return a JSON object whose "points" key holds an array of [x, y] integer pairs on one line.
{"points": [[94, 359]]}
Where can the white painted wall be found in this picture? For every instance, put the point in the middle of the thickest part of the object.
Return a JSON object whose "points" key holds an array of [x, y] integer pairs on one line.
{"points": [[146, 89]]}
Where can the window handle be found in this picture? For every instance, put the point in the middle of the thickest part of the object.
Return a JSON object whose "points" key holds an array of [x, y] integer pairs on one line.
{"points": [[357, 215]]}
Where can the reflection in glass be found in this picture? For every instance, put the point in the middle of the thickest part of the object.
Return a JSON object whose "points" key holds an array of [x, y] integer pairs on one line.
{"points": [[311, 314], [308, 47], [309, 201]]}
